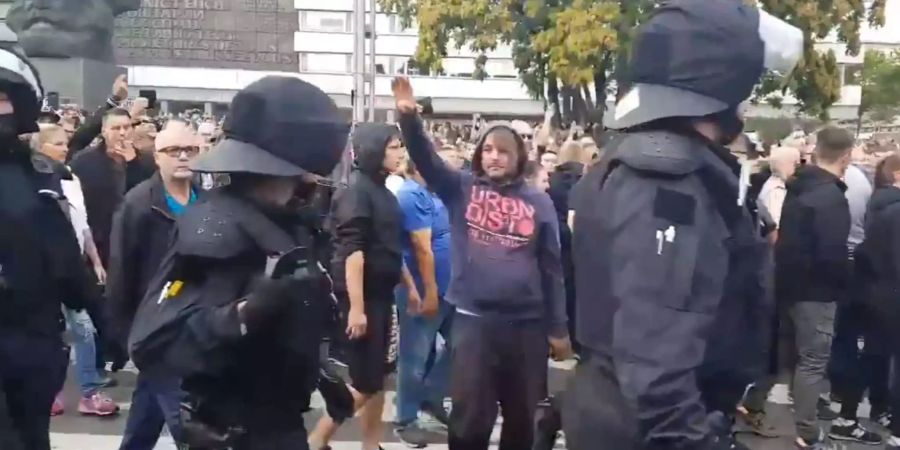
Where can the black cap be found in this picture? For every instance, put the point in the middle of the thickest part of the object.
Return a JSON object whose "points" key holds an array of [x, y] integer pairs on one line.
{"points": [[693, 58], [280, 126]]}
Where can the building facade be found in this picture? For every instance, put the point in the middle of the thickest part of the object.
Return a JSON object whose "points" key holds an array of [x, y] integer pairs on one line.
{"points": [[199, 53]]}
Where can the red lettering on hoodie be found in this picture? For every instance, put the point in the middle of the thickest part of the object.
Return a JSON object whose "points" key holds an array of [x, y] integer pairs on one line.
{"points": [[496, 219]]}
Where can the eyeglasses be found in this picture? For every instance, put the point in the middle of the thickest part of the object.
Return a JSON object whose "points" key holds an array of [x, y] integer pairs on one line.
{"points": [[176, 152]]}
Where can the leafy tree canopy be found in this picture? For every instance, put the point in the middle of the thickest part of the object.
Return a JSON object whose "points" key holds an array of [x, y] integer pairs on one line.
{"points": [[580, 42], [880, 85]]}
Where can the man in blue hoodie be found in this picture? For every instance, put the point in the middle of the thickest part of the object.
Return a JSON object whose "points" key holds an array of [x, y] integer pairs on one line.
{"points": [[507, 283]]}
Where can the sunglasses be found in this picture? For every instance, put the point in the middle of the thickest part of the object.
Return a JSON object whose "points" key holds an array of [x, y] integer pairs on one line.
{"points": [[176, 152]]}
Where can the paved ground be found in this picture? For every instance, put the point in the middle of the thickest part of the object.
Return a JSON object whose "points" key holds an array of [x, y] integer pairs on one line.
{"points": [[73, 432]]}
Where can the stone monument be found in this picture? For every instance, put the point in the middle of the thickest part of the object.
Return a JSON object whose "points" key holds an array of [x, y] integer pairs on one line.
{"points": [[70, 43]]}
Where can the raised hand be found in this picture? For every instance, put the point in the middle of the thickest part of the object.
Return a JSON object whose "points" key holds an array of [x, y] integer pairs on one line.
{"points": [[403, 95]]}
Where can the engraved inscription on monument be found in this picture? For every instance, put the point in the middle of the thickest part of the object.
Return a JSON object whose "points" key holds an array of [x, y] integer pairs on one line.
{"points": [[240, 34]]}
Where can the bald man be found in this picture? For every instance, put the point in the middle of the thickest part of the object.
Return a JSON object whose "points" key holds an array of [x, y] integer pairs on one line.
{"points": [[140, 238], [783, 162]]}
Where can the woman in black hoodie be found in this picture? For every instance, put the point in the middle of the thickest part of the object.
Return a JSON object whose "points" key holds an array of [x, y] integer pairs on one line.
{"points": [[880, 266]]}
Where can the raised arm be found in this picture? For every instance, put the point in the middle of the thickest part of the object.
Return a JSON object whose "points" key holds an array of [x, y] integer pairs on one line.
{"points": [[442, 179]]}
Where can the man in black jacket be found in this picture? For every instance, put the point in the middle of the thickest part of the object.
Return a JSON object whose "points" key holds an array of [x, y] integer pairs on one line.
{"points": [[242, 278], [142, 231], [669, 265], [40, 262], [107, 172], [367, 266], [811, 268]]}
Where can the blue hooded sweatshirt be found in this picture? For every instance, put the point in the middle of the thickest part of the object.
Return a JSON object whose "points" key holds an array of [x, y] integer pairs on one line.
{"points": [[505, 237]]}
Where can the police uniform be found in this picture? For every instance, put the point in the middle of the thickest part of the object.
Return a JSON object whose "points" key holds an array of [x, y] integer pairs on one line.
{"points": [[672, 303], [40, 265], [248, 372]]}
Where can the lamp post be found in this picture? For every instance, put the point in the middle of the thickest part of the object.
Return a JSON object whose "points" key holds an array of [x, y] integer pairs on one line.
{"points": [[359, 61], [372, 71]]}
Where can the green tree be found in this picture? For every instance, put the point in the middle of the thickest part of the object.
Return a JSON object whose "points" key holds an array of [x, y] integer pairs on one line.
{"points": [[816, 80], [770, 130], [880, 85], [560, 47]]}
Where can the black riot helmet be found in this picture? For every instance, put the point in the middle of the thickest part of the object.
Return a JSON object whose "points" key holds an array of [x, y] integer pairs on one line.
{"points": [[20, 81], [278, 126], [697, 58]]}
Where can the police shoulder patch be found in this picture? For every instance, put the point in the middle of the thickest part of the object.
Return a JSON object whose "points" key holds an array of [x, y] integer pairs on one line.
{"points": [[674, 206]]}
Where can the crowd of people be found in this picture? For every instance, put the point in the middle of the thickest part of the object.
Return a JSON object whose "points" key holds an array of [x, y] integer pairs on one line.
{"points": [[685, 271]]}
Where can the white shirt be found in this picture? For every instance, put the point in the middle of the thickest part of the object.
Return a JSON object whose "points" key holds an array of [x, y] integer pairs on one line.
{"points": [[771, 197], [394, 183], [75, 196]]}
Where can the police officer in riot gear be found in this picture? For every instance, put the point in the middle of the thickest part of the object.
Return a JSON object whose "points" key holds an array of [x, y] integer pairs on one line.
{"points": [[241, 303], [671, 298], [40, 264]]}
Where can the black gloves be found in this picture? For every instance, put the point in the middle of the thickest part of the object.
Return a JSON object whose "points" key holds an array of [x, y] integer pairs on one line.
{"points": [[269, 299]]}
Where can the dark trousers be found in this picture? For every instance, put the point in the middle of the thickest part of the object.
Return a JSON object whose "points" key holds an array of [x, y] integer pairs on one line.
{"points": [[495, 362], [782, 357], [270, 440], [850, 370], [9, 439], [287, 440], [32, 368], [108, 349], [595, 414], [895, 393], [154, 402]]}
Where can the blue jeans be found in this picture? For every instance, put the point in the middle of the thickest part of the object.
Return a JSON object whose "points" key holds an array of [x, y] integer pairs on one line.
{"points": [[423, 371], [84, 343], [155, 402]]}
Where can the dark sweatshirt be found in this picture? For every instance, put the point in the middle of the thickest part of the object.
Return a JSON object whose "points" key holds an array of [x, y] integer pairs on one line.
{"points": [[366, 217], [505, 238], [811, 253], [878, 258]]}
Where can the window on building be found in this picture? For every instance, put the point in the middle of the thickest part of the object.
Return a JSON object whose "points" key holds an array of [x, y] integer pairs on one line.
{"points": [[383, 24], [331, 21], [383, 65], [500, 68], [459, 67], [852, 74], [325, 62], [395, 26]]}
